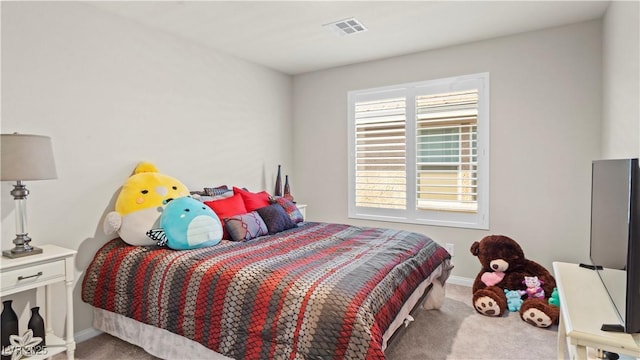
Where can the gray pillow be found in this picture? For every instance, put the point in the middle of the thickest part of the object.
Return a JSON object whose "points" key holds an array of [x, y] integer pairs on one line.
{"points": [[246, 226]]}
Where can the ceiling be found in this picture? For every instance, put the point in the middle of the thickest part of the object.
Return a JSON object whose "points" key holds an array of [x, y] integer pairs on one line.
{"points": [[289, 36]]}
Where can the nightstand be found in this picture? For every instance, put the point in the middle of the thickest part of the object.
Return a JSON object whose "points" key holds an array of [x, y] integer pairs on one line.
{"points": [[303, 210], [54, 265]]}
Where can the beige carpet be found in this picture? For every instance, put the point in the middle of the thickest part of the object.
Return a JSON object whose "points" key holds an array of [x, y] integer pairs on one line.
{"points": [[454, 332], [458, 332]]}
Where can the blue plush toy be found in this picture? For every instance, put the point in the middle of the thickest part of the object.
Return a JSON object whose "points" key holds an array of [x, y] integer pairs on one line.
{"points": [[186, 223], [514, 299]]}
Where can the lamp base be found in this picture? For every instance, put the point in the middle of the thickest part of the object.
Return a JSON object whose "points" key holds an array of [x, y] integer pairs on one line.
{"points": [[13, 254]]}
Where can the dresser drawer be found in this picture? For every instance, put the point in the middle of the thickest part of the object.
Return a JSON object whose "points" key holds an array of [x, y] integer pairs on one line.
{"points": [[33, 275]]}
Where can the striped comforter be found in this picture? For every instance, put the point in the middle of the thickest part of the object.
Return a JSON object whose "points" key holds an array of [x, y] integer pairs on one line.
{"points": [[319, 291]]}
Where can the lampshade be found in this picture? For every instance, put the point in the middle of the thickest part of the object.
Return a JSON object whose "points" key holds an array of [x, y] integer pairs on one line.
{"points": [[26, 157]]}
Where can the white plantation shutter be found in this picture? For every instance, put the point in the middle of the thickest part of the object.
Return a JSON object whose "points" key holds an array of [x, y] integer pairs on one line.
{"points": [[419, 152], [380, 173], [446, 164]]}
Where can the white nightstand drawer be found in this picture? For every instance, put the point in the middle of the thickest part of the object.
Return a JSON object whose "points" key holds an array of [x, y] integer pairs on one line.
{"points": [[28, 276]]}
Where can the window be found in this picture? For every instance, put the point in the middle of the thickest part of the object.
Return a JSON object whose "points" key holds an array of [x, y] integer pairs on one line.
{"points": [[419, 152]]}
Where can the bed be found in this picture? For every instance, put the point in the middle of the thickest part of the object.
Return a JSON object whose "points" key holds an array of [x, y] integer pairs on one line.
{"points": [[316, 291]]}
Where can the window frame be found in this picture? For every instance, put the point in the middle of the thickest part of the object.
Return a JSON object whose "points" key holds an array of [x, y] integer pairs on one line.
{"points": [[477, 220]]}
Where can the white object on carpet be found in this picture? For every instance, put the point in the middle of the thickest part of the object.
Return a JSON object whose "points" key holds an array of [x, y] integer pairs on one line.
{"points": [[436, 298]]}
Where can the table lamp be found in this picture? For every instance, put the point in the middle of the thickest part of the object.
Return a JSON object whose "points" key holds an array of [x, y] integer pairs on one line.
{"points": [[24, 157]]}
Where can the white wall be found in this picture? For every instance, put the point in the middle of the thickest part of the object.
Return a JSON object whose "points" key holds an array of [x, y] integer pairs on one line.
{"points": [[621, 85], [545, 121], [110, 94]]}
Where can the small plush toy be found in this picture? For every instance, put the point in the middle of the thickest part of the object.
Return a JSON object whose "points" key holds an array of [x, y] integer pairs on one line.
{"points": [[504, 266], [514, 299], [140, 203], [187, 223], [555, 298], [534, 287]]}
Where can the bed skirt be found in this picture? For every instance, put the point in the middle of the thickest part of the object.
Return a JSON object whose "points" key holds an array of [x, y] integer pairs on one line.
{"points": [[167, 345]]}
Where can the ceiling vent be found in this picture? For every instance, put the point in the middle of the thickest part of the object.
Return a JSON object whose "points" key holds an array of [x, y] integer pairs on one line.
{"points": [[346, 27]]}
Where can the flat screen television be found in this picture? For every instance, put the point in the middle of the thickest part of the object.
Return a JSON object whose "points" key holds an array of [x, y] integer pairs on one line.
{"points": [[615, 237]]}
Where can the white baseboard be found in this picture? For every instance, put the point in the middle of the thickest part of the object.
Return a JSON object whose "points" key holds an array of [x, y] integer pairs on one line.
{"points": [[86, 334], [459, 280]]}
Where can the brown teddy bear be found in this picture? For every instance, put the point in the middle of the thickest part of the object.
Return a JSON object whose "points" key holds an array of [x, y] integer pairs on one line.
{"points": [[505, 268]]}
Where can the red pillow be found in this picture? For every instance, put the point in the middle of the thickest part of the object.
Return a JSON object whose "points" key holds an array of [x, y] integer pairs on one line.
{"points": [[253, 201], [228, 207]]}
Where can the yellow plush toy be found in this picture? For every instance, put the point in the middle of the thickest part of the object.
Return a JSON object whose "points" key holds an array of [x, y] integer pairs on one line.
{"points": [[140, 204]]}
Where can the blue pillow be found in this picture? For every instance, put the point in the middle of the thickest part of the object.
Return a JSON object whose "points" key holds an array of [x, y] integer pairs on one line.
{"points": [[276, 218]]}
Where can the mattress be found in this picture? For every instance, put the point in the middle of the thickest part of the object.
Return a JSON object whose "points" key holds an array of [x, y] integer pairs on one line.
{"points": [[316, 291]]}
